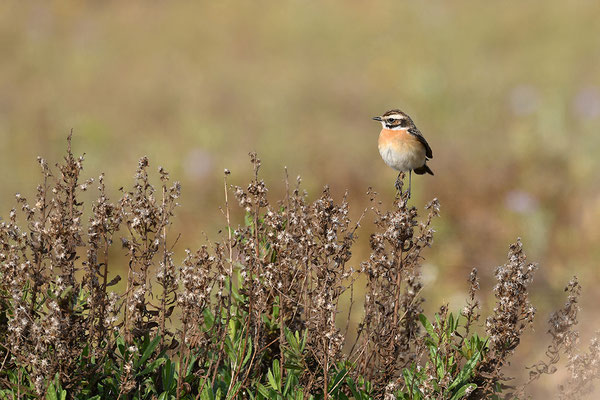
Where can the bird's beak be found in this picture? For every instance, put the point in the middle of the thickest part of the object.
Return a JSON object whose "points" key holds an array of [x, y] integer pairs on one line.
{"points": [[377, 119]]}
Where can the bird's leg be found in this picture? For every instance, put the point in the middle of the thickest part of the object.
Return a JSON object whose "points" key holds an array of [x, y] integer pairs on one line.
{"points": [[398, 183], [409, 181]]}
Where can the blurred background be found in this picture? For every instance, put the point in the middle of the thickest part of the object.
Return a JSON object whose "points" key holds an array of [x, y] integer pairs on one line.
{"points": [[508, 96]]}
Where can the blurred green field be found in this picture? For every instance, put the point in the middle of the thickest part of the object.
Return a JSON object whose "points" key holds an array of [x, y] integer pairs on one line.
{"points": [[508, 96]]}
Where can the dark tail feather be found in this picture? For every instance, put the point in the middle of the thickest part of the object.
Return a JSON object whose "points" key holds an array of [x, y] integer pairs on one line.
{"points": [[422, 170]]}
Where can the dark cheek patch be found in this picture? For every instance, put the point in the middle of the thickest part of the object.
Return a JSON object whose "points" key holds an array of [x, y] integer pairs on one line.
{"points": [[390, 124]]}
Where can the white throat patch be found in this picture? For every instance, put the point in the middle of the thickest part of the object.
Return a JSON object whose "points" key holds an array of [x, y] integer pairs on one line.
{"points": [[394, 128]]}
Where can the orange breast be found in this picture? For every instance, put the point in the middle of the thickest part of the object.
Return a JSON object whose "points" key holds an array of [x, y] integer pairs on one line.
{"points": [[400, 140]]}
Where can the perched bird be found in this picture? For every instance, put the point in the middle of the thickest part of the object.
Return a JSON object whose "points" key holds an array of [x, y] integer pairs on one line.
{"points": [[402, 146]]}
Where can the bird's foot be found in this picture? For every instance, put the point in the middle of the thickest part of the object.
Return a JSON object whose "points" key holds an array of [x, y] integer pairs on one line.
{"points": [[398, 185]]}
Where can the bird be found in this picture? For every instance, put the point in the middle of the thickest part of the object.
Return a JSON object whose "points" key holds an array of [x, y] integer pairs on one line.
{"points": [[402, 146]]}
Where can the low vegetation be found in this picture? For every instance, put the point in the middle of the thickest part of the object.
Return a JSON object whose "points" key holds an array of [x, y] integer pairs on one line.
{"points": [[256, 315]]}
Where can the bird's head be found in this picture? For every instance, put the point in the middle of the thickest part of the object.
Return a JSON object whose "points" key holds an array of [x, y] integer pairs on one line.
{"points": [[394, 119]]}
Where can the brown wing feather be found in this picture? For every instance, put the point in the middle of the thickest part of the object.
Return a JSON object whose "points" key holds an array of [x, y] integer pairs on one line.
{"points": [[415, 132]]}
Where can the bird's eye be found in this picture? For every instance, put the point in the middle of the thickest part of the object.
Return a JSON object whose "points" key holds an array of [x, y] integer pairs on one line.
{"points": [[391, 120]]}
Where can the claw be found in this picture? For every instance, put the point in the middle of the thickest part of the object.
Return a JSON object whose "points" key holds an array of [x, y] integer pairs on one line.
{"points": [[398, 184]]}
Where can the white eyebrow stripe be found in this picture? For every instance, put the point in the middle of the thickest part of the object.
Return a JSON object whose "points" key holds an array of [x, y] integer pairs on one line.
{"points": [[394, 116]]}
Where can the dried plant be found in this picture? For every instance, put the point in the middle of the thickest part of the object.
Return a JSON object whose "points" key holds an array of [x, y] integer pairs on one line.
{"points": [[471, 310], [254, 315], [512, 314], [564, 338], [147, 219], [583, 368], [47, 328], [390, 328], [295, 255], [103, 224]]}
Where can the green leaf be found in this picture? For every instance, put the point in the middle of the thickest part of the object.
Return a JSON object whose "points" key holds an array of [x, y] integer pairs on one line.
{"points": [[234, 390], [441, 368], [450, 325], [335, 387], [168, 374], [438, 321], [263, 391], [51, 392], [232, 329], [429, 328], [274, 377], [86, 351], [248, 353], [239, 298], [293, 367], [411, 383], [460, 393], [457, 322], [248, 219], [209, 319], [163, 396], [190, 367], [121, 345], [277, 371], [291, 339], [148, 350], [207, 393], [304, 338], [466, 371], [290, 383], [352, 386], [152, 366], [342, 396], [55, 391], [228, 347]]}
